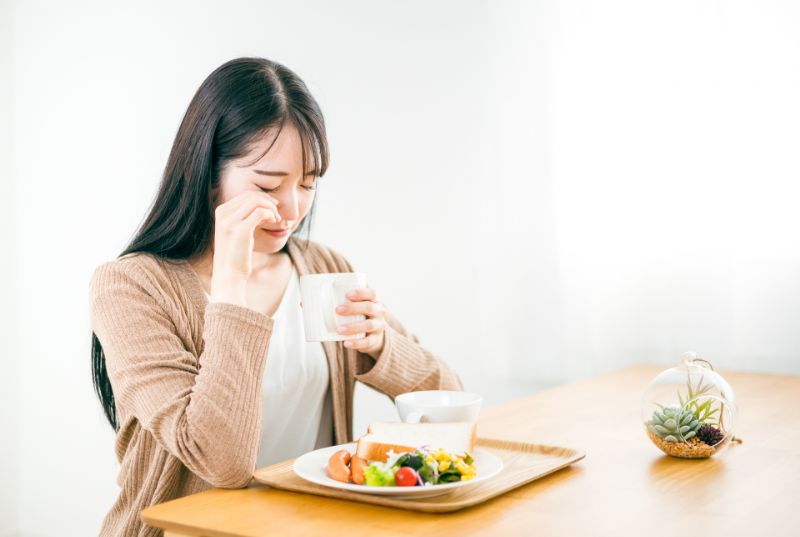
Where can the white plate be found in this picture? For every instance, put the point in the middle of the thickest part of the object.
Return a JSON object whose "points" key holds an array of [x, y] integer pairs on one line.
{"points": [[311, 467]]}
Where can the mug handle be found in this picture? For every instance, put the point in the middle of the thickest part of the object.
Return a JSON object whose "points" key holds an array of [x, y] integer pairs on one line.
{"points": [[414, 417]]}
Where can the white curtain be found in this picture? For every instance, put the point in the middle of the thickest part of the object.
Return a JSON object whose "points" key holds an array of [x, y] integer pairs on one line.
{"points": [[641, 161]]}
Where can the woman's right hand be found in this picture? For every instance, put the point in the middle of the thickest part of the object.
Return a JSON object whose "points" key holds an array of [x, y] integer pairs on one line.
{"points": [[235, 222]]}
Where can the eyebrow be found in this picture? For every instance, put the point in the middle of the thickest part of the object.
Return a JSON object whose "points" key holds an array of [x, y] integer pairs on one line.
{"points": [[279, 173]]}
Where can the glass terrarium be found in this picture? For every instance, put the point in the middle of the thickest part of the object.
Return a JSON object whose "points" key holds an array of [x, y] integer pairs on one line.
{"points": [[689, 411]]}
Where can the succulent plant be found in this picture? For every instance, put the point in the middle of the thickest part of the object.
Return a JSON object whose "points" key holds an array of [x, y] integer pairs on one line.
{"points": [[710, 435], [674, 424], [703, 411]]}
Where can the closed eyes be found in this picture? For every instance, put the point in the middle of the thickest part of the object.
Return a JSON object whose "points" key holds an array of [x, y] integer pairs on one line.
{"points": [[309, 188]]}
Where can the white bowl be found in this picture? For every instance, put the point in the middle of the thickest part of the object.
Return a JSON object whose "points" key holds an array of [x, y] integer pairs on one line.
{"points": [[438, 406]]}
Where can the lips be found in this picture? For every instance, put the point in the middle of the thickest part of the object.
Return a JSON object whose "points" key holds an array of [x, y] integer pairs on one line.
{"points": [[278, 232]]}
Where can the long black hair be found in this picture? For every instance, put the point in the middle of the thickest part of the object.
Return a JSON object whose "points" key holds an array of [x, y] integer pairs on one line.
{"points": [[239, 103]]}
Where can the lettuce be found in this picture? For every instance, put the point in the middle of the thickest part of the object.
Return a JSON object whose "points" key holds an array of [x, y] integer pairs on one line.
{"points": [[379, 475]]}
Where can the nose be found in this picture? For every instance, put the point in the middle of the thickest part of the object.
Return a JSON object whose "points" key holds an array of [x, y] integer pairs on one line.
{"points": [[288, 207]]}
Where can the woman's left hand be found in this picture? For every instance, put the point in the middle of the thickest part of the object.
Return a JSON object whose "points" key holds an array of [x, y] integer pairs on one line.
{"points": [[364, 302]]}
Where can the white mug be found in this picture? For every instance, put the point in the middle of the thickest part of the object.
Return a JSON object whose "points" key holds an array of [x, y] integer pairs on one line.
{"points": [[321, 294], [438, 406]]}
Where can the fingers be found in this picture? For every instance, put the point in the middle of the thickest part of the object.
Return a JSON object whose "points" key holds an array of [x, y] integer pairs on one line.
{"points": [[240, 207], [248, 197], [362, 293], [369, 342], [253, 201], [234, 234], [246, 211], [369, 325], [260, 214], [367, 308], [363, 303]]}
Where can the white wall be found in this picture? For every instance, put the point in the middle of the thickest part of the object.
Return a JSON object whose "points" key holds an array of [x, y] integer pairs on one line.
{"points": [[9, 453], [672, 146], [572, 187]]}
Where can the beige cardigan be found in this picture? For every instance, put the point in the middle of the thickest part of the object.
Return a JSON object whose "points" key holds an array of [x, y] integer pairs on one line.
{"points": [[187, 375]]}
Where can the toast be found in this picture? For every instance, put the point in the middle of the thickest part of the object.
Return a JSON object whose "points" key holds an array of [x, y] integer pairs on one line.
{"points": [[452, 437]]}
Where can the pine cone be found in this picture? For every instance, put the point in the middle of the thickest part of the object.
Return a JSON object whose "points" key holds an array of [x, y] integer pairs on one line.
{"points": [[710, 435]]}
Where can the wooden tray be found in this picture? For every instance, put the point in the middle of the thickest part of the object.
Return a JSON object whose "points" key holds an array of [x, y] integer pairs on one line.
{"points": [[522, 463]]}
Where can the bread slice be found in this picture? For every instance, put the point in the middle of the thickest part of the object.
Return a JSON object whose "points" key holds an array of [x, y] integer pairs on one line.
{"points": [[453, 437]]}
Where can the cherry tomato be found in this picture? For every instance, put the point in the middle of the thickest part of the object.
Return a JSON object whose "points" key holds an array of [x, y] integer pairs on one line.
{"points": [[406, 477]]}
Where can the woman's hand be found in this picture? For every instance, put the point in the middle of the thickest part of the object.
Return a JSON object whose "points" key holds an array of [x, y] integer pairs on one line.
{"points": [[364, 302], [235, 222]]}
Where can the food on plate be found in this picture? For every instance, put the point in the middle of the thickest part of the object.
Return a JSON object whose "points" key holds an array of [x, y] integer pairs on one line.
{"points": [[376, 475], [457, 436], [338, 467], [401, 455], [357, 467], [406, 476]]}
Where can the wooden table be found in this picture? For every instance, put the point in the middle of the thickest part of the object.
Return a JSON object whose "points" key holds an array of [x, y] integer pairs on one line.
{"points": [[625, 485]]}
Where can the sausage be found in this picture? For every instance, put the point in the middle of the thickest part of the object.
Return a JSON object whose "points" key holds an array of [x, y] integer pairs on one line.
{"points": [[337, 466], [357, 465]]}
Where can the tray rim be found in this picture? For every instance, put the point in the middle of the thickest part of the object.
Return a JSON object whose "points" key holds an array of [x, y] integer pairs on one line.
{"points": [[569, 455]]}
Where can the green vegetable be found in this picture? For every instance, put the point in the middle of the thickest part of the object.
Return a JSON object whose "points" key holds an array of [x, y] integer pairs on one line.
{"points": [[382, 474], [450, 474], [427, 472], [449, 477], [413, 461], [377, 475]]}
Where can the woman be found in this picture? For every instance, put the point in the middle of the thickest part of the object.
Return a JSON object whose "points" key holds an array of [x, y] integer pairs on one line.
{"points": [[198, 352]]}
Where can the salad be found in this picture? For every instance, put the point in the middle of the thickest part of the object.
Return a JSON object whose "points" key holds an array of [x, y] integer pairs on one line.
{"points": [[420, 467]]}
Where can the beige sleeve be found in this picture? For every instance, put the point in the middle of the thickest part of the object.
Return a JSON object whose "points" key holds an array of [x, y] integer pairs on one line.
{"points": [[405, 365], [205, 410]]}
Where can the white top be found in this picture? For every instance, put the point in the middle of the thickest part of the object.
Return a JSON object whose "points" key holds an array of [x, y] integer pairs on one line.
{"points": [[296, 407]]}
